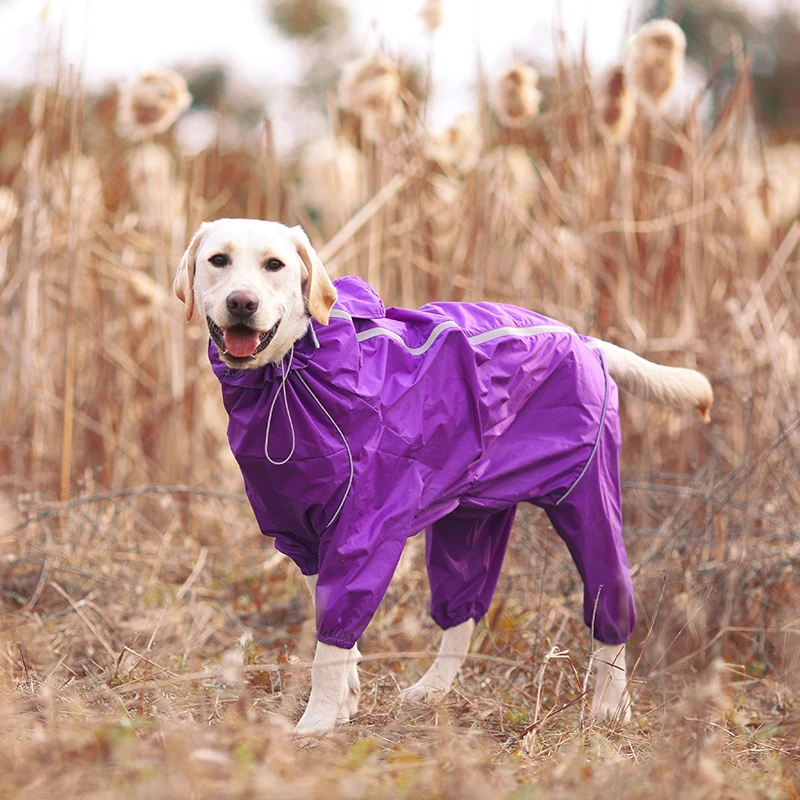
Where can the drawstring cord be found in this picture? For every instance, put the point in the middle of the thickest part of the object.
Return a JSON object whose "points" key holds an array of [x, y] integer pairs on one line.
{"points": [[282, 390], [346, 447]]}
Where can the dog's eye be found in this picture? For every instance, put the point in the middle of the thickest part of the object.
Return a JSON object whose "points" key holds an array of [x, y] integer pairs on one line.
{"points": [[273, 265], [219, 260]]}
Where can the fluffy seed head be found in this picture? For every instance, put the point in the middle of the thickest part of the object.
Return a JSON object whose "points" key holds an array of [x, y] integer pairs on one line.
{"points": [[9, 208], [615, 104], [511, 178], [459, 145], [770, 206], [370, 88], [432, 14], [151, 103], [332, 179], [369, 84], [654, 65], [514, 96]]}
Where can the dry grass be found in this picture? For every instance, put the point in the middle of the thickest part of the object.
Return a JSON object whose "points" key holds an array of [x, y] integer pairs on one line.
{"points": [[153, 645]]}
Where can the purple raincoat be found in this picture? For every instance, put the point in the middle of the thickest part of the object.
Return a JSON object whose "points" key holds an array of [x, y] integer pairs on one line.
{"points": [[384, 423]]}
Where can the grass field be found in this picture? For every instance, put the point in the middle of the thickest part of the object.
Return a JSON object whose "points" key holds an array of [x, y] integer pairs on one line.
{"points": [[154, 645]]}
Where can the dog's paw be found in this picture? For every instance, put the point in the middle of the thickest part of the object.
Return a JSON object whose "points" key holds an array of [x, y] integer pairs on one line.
{"points": [[353, 684], [321, 718], [429, 687], [312, 725], [613, 704]]}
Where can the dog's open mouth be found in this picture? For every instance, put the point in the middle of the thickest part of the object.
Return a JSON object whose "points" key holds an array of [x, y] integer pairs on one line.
{"points": [[240, 342]]}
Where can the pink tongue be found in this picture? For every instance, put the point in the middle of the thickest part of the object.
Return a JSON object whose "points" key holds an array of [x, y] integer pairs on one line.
{"points": [[241, 342]]}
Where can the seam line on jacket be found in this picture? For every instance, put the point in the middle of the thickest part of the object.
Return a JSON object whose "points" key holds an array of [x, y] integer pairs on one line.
{"points": [[599, 432]]}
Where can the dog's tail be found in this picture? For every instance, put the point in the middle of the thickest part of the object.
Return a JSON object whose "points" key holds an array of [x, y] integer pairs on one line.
{"points": [[667, 386]]}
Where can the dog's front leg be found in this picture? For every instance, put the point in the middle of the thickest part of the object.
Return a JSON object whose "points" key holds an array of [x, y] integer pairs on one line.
{"points": [[439, 678], [327, 707], [611, 698], [335, 687]]}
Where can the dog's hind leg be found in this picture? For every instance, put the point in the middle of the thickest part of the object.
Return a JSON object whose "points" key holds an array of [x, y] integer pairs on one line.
{"points": [[589, 520], [464, 555], [439, 678]]}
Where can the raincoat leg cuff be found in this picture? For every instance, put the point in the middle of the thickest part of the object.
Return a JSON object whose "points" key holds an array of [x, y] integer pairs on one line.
{"points": [[345, 644], [610, 638], [451, 620], [309, 569]]}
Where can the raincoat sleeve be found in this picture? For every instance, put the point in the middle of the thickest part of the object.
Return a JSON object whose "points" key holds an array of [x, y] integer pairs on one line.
{"points": [[360, 552], [302, 549]]}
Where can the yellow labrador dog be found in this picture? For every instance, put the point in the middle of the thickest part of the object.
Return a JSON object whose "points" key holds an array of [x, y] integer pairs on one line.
{"points": [[292, 350]]}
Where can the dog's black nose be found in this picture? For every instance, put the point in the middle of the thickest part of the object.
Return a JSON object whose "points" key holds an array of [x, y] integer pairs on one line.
{"points": [[242, 304]]}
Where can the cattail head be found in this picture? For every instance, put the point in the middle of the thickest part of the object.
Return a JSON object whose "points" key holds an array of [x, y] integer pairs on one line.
{"points": [[432, 14], [511, 177], [654, 65], [615, 104], [332, 176], [158, 195], [459, 145], [773, 200], [514, 96], [369, 84], [370, 88], [151, 102], [9, 208]]}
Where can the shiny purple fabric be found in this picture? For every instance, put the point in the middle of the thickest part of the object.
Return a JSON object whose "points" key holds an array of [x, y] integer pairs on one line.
{"points": [[447, 422]]}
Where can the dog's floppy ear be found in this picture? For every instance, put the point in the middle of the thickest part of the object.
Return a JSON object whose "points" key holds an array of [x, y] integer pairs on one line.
{"points": [[184, 277], [321, 292]]}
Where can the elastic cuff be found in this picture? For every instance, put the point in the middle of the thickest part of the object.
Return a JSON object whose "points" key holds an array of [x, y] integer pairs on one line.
{"points": [[451, 621], [309, 569], [345, 644], [614, 639]]}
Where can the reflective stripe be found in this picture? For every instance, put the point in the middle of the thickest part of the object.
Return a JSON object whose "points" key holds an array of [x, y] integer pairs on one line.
{"points": [[599, 431], [478, 338], [533, 330], [371, 333]]}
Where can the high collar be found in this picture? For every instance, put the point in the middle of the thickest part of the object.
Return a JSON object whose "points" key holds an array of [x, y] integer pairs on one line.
{"points": [[338, 351]]}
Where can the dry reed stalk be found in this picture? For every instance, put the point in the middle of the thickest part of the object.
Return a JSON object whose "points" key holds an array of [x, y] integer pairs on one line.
{"points": [[73, 266]]}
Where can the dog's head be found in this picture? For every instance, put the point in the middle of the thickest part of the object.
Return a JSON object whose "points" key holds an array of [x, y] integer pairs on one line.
{"points": [[256, 284]]}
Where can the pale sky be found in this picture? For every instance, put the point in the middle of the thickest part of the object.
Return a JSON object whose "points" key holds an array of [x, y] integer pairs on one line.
{"points": [[113, 39]]}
